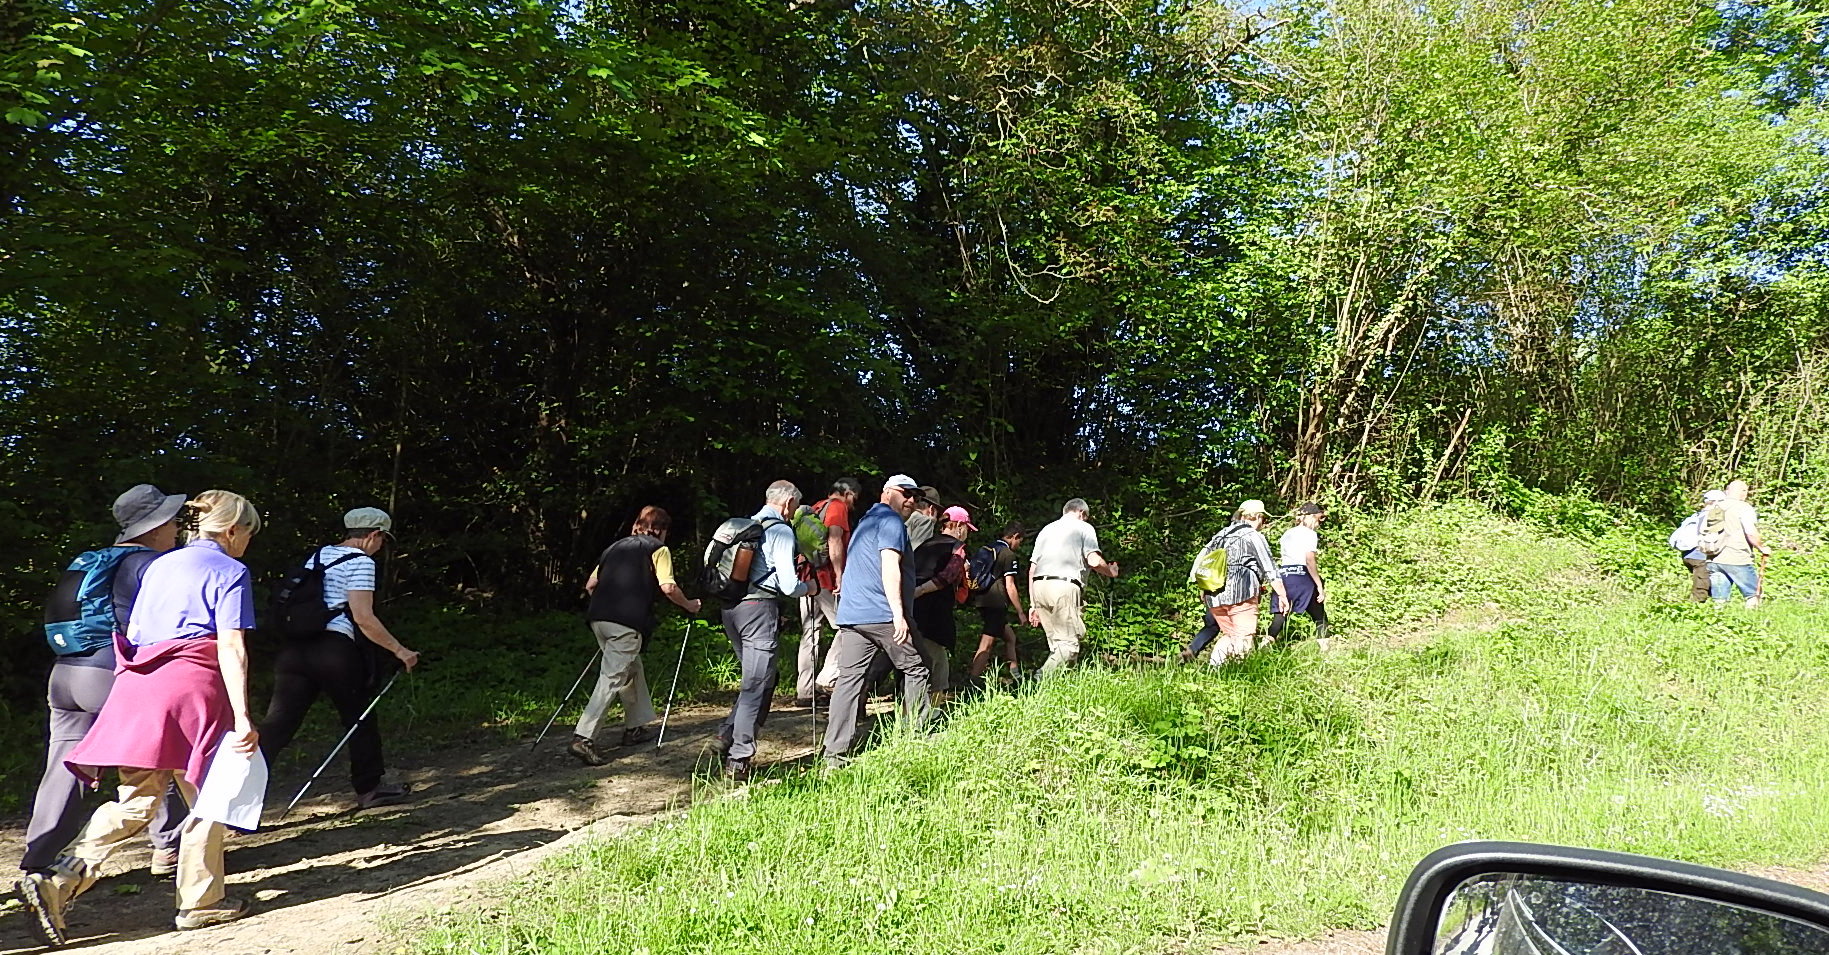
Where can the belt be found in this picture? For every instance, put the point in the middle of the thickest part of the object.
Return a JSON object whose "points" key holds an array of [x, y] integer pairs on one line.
{"points": [[1067, 579]]}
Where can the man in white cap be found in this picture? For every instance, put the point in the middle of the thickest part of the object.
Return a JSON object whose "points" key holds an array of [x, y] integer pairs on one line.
{"points": [[1687, 540], [342, 660], [1064, 551], [83, 672], [874, 612]]}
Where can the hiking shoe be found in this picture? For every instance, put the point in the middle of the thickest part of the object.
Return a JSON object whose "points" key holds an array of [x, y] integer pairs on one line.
{"points": [[637, 735], [803, 702], [586, 751], [737, 770], [227, 910], [387, 792], [46, 904], [164, 863]]}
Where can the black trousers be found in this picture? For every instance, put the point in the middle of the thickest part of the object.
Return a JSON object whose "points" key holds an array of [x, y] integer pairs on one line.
{"points": [[348, 671]]}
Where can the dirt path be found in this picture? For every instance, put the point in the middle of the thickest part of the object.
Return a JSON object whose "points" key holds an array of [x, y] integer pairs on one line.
{"points": [[331, 880]]}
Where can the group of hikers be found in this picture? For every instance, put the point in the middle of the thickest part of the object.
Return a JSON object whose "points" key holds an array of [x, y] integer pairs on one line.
{"points": [[151, 670], [151, 679], [1720, 546]]}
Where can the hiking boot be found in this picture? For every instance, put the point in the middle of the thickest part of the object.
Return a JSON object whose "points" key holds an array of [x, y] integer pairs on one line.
{"points": [[46, 904], [387, 792], [803, 702], [1187, 656], [227, 910], [737, 770], [637, 735], [586, 751], [164, 863]]}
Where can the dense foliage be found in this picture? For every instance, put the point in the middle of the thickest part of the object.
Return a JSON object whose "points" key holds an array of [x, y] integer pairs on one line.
{"points": [[513, 269]]}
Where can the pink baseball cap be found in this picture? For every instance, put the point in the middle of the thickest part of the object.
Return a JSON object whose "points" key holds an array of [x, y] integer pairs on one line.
{"points": [[959, 515]]}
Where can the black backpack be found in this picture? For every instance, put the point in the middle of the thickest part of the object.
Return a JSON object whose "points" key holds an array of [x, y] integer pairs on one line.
{"points": [[298, 608]]}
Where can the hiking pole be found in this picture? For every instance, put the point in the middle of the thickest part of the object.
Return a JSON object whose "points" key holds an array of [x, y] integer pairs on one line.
{"points": [[677, 666], [370, 708], [568, 698], [1759, 585]]}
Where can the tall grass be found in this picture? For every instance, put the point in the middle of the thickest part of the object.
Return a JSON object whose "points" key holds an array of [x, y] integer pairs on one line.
{"points": [[1517, 688]]}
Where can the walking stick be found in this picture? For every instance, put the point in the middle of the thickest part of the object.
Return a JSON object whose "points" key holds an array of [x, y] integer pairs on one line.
{"points": [[1759, 585], [568, 698], [370, 708], [662, 738]]}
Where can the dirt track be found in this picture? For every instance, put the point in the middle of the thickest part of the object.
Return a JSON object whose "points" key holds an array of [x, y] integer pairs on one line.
{"points": [[334, 880]]}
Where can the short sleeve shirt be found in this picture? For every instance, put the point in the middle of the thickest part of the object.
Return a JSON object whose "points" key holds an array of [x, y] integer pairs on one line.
{"points": [[861, 599], [835, 513], [1061, 549], [357, 573], [191, 593], [1008, 565], [1296, 544], [663, 566]]}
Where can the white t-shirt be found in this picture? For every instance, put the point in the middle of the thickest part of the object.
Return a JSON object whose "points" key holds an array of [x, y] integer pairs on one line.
{"points": [[1061, 548], [1296, 544], [357, 574]]}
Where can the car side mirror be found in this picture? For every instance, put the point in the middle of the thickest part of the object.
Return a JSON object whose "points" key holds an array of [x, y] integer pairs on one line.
{"points": [[1513, 898]]}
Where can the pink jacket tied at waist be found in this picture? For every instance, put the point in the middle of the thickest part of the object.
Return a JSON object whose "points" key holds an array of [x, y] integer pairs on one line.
{"points": [[169, 709]]}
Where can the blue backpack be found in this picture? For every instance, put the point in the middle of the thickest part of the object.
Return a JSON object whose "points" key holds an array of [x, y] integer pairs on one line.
{"points": [[981, 573], [79, 617]]}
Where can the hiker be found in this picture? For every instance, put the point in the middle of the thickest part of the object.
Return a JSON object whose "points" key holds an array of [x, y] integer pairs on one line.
{"points": [[819, 608], [939, 567], [995, 601], [1303, 591], [344, 659], [1687, 541], [754, 626], [1248, 569], [1064, 550], [924, 519], [1730, 537], [874, 610], [81, 632], [180, 690], [628, 576]]}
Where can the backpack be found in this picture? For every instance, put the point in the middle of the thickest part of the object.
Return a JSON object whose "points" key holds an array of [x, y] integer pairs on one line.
{"points": [[1688, 535], [1212, 568], [730, 554], [79, 617], [981, 573], [1714, 530], [298, 608], [810, 534]]}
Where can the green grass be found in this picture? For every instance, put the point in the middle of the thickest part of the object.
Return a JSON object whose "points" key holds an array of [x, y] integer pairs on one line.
{"points": [[1500, 683]]}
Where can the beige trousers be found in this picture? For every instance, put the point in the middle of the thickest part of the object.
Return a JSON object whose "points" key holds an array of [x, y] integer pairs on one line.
{"points": [[619, 675], [1057, 603], [202, 877]]}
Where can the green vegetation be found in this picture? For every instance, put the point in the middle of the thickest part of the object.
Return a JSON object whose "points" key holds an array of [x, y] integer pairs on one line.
{"points": [[1499, 684]]}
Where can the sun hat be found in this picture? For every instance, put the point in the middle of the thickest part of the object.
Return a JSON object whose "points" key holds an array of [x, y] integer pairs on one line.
{"points": [[143, 507], [959, 515], [1713, 497]]}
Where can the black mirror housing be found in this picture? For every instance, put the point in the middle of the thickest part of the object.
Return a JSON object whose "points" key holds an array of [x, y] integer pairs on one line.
{"points": [[1417, 922]]}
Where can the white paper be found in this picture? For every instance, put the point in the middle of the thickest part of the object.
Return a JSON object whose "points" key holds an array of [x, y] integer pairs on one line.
{"points": [[233, 788]]}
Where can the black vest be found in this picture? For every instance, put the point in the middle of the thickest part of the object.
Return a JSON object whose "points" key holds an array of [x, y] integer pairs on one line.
{"points": [[626, 584]]}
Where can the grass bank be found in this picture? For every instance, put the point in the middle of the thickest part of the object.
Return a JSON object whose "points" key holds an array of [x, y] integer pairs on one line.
{"points": [[1498, 682]]}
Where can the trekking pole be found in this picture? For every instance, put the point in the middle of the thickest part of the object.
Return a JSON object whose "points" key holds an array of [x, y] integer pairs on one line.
{"points": [[1759, 586], [568, 698], [339, 747], [677, 666]]}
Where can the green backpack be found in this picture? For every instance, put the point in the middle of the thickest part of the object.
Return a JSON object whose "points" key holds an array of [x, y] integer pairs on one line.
{"points": [[810, 534]]}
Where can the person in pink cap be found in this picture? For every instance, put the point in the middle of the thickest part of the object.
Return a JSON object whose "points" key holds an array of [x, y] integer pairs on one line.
{"points": [[939, 569]]}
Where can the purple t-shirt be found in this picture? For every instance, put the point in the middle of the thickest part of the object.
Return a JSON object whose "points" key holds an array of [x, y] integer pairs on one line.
{"points": [[194, 591]]}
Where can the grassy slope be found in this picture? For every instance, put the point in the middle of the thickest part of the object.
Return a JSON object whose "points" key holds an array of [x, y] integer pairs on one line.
{"points": [[1111, 811]]}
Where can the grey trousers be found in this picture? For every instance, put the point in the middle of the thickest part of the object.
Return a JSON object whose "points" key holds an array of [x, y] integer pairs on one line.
{"points": [[854, 649], [76, 694], [753, 627]]}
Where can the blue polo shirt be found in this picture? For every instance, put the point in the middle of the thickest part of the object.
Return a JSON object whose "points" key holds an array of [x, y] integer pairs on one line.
{"points": [[861, 600]]}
